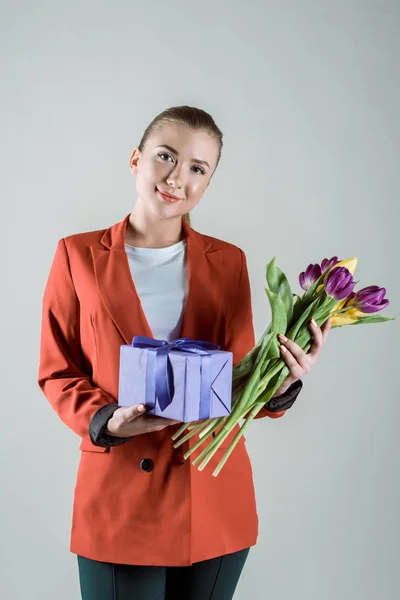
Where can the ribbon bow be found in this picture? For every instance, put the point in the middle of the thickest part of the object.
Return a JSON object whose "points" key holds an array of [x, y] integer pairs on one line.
{"points": [[158, 364]]}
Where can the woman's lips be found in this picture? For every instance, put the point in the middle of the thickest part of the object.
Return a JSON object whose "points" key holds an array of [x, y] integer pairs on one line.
{"points": [[168, 198]]}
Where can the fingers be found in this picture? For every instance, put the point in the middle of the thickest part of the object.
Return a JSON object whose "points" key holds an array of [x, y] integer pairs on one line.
{"points": [[295, 357], [320, 336], [133, 412], [127, 414], [327, 326], [296, 360], [125, 421], [317, 335]]}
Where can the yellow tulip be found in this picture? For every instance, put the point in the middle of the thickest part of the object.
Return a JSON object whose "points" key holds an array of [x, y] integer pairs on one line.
{"points": [[342, 319], [346, 318], [349, 263]]}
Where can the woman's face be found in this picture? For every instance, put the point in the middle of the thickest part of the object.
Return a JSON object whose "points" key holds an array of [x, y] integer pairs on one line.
{"points": [[177, 160]]}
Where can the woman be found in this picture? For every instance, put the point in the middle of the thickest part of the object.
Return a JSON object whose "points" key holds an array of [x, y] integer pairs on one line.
{"points": [[146, 523]]}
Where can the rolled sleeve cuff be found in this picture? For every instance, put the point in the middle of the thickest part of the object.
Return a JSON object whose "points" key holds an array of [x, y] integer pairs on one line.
{"points": [[98, 426], [285, 400]]}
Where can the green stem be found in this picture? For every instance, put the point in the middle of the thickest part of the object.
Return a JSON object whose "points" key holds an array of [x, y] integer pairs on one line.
{"points": [[233, 418], [215, 443], [243, 406], [240, 407], [221, 421], [269, 375], [191, 433], [340, 310], [256, 409], [200, 442], [210, 427], [180, 431]]}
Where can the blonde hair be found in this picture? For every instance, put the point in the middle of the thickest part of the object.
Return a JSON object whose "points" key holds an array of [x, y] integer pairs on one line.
{"points": [[189, 116]]}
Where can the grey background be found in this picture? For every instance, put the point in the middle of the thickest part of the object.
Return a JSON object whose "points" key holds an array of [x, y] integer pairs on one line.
{"points": [[307, 94]]}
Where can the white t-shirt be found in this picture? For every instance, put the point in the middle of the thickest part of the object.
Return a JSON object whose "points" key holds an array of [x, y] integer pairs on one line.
{"points": [[161, 279]]}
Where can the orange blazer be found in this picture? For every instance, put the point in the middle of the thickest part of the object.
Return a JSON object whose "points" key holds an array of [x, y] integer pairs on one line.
{"points": [[173, 515]]}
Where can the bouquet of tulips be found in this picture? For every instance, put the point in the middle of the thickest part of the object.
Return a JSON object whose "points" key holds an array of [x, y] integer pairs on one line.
{"points": [[328, 291]]}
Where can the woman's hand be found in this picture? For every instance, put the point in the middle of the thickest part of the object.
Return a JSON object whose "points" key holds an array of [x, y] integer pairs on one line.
{"points": [[297, 360], [132, 420]]}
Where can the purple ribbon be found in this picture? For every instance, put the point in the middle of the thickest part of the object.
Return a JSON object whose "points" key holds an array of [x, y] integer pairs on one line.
{"points": [[159, 364]]}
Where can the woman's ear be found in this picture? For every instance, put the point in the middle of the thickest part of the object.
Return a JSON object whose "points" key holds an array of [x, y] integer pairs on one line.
{"points": [[134, 161]]}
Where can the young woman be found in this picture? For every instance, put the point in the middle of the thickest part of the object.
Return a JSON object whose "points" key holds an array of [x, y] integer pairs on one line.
{"points": [[146, 523]]}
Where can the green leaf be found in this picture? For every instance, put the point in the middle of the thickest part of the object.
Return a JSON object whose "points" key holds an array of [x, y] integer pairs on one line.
{"points": [[246, 364], [294, 330], [243, 370], [372, 319], [279, 318], [279, 285], [269, 350]]}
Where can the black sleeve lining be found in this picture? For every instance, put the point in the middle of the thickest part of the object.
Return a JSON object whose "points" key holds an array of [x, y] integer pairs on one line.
{"points": [[98, 426], [286, 400]]}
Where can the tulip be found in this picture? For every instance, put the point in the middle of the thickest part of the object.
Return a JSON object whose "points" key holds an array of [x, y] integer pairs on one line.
{"points": [[349, 263], [339, 283], [326, 263], [370, 299], [308, 277]]}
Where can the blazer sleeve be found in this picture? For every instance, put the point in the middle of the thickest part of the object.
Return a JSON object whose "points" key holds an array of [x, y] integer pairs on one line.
{"points": [[240, 339], [61, 375]]}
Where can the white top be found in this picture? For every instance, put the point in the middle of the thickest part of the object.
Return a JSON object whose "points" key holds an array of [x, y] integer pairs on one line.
{"points": [[161, 280]]}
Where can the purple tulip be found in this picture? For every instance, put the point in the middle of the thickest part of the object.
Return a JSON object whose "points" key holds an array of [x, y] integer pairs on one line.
{"points": [[328, 262], [339, 283], [370, 299], [308, 277]]}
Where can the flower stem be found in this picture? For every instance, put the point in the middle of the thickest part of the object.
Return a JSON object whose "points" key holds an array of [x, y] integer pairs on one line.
{"points": [[200, 442], [191, 433], [210, 426], [180, 431], [256, 409], [240, 406], [213, 446]]}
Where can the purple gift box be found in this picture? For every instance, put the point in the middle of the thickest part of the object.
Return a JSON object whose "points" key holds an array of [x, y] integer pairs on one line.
{"points": [[186, 380]]}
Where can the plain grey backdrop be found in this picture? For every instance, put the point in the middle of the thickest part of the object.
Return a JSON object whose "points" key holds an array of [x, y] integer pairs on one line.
{"points": [[307, 94]]}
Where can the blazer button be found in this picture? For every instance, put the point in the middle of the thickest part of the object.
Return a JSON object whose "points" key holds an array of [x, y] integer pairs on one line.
{"points": [[146, 465]]}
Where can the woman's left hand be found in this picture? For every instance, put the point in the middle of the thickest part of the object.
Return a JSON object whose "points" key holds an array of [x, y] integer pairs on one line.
{"points": [[297, 360]]}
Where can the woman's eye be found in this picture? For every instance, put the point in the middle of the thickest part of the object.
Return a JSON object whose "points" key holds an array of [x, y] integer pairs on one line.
{"points": [[201, 170], [161, 154], [164, 154]]}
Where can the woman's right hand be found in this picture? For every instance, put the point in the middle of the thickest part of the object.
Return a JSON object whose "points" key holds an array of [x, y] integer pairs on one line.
{"points": [[133, 420]]}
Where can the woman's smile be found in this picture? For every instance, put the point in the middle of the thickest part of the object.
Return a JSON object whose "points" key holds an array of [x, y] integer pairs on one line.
{"points": [[167, 198]]}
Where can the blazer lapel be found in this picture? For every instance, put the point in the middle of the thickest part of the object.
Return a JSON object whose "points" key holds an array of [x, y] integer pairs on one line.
{"points": [[202, 315]]}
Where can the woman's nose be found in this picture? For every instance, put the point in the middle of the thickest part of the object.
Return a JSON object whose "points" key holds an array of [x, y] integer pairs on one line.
{"points": [[176, 178]]}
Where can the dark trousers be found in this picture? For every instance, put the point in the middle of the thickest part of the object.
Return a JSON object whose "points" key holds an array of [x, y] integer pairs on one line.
{"points": [[213, 579]]}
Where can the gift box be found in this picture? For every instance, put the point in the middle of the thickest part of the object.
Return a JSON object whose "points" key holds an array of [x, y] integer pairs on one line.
{"points": [[186, 380]]}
